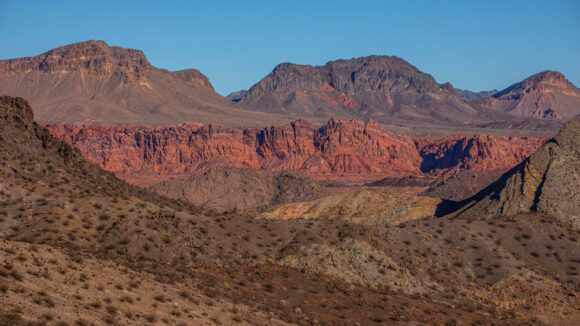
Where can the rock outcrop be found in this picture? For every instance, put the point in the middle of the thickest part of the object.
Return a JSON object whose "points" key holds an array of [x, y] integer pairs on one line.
{"points": [[547, 94], [92, 82], [230, 188], [546, 182], [339, 147], [445, 156]]}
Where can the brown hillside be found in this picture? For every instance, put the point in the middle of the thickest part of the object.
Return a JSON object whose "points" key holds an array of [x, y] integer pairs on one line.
{"points": [[92, 82], [230, 188], [80, 247], [547, 94]]}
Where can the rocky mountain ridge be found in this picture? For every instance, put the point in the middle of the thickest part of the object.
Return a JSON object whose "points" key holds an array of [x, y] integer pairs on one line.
{"points": [[384, 88], [378, 87]]}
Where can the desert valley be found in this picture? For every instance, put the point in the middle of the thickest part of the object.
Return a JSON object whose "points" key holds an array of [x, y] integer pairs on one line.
{"points": [[359, 192]]}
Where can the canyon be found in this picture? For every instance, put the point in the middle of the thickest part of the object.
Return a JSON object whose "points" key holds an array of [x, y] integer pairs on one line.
{"points": [[340, 148]]}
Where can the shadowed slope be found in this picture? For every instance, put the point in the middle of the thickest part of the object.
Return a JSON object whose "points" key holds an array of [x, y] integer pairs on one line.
{"points": [[546, 182]]}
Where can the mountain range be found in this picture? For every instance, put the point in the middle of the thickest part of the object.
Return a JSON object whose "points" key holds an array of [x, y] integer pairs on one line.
{"points": [[92, 82]]}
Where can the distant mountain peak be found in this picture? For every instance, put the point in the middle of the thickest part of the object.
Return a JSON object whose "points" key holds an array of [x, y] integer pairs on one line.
{"points": [[542, 81], [470, 95], [547, 94], [193, 76], [94, 57], [384, 88]]}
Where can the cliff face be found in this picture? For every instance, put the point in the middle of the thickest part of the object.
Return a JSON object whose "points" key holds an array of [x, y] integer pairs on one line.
{"points": [[339, 147], [447, 155], [544, 95], [93, 57]]}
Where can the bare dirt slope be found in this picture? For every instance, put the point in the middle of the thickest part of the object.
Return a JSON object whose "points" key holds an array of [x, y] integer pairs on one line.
{"points": [[463, 184], [230, 188], [547, 94]]}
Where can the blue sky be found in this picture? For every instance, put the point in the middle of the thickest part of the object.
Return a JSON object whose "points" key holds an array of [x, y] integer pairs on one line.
{"points": [[477, 45]]}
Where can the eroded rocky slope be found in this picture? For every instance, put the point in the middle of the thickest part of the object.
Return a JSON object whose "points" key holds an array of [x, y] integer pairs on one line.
{"points": [[386, 89], [547, 182]]}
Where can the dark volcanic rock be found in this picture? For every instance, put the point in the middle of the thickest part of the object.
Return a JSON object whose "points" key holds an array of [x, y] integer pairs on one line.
{"points": [[380, 87], [386, 89]]}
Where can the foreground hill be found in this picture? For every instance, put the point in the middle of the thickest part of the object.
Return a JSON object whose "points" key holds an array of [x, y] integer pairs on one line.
{"points": [[547, 94], [81, 247], [546, 182], [92, 82], [340, 147], [386, 89]]}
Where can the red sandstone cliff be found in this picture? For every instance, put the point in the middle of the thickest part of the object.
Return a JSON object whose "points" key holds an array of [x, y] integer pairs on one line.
{"points": [[339, 147], [446, 155]]}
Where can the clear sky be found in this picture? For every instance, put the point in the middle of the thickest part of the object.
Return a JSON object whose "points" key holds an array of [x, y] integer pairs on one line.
{"points": [[477, 45]]}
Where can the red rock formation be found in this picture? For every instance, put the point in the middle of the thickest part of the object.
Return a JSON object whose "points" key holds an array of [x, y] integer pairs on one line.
{"points": [[447, 155], [339, 147]]}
